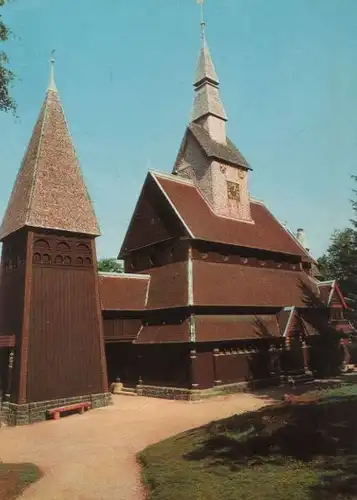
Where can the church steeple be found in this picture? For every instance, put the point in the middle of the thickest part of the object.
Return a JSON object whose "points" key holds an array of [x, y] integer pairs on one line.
{"points": [[52, 85], [49, 191], [206, 155], [208, 109]]}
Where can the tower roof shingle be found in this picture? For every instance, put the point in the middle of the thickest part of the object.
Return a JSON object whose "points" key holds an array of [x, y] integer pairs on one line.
{"points": [[49, 191]]}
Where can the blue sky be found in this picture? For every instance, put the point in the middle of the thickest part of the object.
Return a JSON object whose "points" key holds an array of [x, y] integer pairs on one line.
{"points": [[124, 70]]}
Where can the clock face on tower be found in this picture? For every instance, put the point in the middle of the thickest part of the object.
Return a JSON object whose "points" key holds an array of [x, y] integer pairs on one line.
{"points": [[233, 190]]}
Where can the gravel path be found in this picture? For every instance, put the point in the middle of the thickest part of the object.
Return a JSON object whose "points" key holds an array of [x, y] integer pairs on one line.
{"points": [[93, 456]]}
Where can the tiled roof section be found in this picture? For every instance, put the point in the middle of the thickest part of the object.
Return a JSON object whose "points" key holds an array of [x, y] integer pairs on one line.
{"points": [[266, 233], [165, 287], [155, 334], [233, 327], [168, 286], [49, 191], [205, 67], [208, 102], [344, 327], [225, 152], [123, 292], [283, 318], [243, 285], [207, 98]]}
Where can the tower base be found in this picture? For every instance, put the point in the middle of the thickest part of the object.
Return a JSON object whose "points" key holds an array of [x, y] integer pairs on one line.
{"points": [[15, 414]]}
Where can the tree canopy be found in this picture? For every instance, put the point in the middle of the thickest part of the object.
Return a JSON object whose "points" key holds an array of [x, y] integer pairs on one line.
{"points": [[340, 260], [110, 265], [6, 75]]}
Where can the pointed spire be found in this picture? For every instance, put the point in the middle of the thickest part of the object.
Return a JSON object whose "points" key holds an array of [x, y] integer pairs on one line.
{"points": [[52, 86], [205, 67], [49, 191], [203, 23], [208, 108]]}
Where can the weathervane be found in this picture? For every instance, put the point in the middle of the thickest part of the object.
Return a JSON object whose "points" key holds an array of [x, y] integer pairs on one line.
{"points": [[203, 24], [52, 85]]}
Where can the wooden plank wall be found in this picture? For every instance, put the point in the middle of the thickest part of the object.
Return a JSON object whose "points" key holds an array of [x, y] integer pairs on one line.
{"points": [[12, 288], [64, 353]]}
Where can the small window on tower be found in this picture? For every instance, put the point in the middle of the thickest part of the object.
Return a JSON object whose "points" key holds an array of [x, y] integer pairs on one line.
{"points": [[233, 190]]}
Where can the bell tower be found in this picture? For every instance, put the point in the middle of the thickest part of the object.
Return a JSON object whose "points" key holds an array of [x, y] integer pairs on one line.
{"points": [[49, 295], [207, 156]]}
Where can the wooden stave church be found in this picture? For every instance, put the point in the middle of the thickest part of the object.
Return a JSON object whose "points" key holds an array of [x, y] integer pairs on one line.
{"points": [[217, 295]]}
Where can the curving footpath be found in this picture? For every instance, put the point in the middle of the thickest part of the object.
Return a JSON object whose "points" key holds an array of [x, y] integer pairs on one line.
{"points": [[93, 456]]}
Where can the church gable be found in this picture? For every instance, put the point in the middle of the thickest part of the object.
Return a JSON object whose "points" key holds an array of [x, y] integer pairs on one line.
{"points": [[331, 294], [154, 220], [336, 298]]}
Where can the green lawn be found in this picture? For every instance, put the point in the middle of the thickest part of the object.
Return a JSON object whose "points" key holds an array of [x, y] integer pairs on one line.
{"points": [[284, 452], [14, 478]]}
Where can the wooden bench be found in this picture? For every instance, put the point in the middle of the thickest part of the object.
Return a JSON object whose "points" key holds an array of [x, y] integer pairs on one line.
{"points": [[56, 412]]}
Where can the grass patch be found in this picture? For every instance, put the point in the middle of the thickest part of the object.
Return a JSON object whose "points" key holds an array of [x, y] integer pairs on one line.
{"points": [[14, 478], [302, 451]]}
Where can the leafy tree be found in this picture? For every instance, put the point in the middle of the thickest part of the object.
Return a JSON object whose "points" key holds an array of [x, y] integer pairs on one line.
{"points": [[340, 259], [354, 207], [6, 75], [110, 265]]}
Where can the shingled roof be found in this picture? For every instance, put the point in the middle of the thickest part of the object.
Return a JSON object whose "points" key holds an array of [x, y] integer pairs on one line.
{"points": [[125, 292], [232, 327], [225, 284], [215, 150], [49, 191], [202, 223]]}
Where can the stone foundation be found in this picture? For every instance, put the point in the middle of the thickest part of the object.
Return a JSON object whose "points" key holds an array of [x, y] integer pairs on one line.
{"points": [[197, 394], [15, 414], [218, 390]]}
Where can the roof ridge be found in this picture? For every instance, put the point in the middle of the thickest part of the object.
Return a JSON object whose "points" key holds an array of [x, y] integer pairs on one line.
{"points": [[252, 199], [327, 282], [172, 177], [289, 233], [123, 275], [45, 115], [227, 152], [170, 201]]}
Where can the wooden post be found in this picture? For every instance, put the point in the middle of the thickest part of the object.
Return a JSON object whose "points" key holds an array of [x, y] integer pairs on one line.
{"points": [[346, 351], [194, 374], [306, 357], [216, 380]]}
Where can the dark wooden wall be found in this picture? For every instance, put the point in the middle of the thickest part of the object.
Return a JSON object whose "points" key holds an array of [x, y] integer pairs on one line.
{"points": [[65, 343], [243, 361], [12, 291], [121, 328], [153, 221], [218, 253], [161, 365], [156, 255], [4, 365]]}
